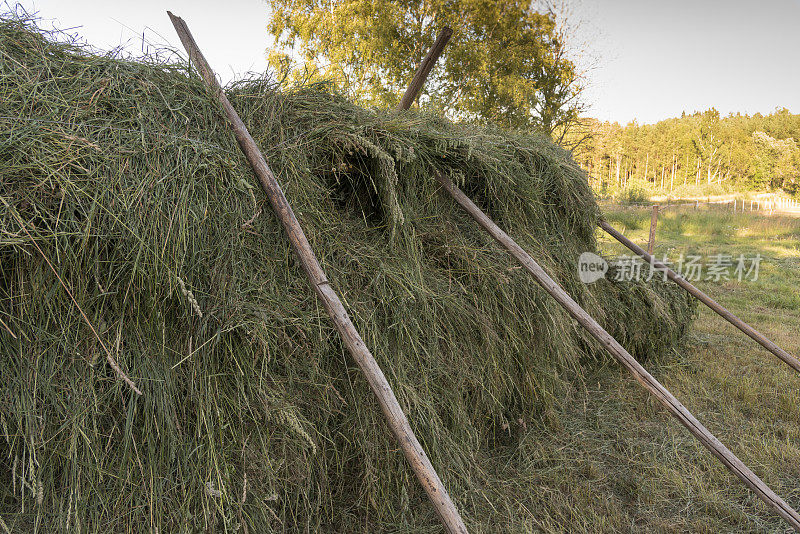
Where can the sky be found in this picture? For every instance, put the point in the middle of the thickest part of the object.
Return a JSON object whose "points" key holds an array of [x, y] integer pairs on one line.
{"points": [[231, 34], [658, 58], [653, 59]]}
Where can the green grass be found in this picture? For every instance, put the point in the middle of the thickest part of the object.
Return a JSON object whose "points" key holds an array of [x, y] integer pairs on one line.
{"points": [[610, 459], [641, 192], [625, 464]]}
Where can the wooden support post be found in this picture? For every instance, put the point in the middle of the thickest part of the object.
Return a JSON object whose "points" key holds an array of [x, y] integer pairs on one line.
{"points": [[705, 299], [380, 386], [666, 398], [651, 242], [424, 69]]}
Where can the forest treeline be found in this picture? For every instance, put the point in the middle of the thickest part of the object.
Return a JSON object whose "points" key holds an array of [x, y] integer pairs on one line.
{"points": [[740, 152]]}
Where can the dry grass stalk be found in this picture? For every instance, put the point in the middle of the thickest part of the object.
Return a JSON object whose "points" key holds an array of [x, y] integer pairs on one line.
{"points": [[111, 361]]}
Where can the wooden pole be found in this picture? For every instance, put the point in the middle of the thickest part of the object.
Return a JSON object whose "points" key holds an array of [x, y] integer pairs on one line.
{"points": [[424, 69], [705, 299], [617, 351], [391, 408], [651, 242]]}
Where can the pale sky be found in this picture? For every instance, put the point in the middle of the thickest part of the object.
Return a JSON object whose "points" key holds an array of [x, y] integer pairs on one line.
{"points": [[231, 34], [655, 58], [658, 58]]}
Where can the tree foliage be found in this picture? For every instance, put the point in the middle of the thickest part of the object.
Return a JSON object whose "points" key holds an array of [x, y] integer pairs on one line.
{"points": [[738, 151], [777, 162], [506, 62]]}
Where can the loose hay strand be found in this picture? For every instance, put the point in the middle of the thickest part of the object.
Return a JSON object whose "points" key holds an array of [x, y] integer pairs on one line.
{"points": [[122, 376]]}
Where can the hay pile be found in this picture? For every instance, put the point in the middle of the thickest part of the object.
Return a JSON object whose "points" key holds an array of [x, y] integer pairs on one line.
{"points": [[252, 417]]}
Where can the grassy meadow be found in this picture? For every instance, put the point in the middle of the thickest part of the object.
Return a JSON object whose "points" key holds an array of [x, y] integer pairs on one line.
{"points": [[614, 460]]}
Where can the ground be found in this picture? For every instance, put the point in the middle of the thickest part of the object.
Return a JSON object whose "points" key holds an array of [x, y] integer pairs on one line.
{"points": [[612, 459]]}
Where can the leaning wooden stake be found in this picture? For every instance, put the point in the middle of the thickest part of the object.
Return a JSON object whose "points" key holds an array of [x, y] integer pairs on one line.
{"points": [[424, 69], [705, 299], [391, 408], [617, 351]]}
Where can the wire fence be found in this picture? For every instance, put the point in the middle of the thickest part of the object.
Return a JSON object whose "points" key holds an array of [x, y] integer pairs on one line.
{"points": [[767, 203]]}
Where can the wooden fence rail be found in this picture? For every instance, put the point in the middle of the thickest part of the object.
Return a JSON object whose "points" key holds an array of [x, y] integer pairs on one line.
{"points": [[769, 203]]}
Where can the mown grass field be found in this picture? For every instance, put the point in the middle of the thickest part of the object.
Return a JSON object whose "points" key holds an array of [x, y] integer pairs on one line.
{"points": [[614, 460]]}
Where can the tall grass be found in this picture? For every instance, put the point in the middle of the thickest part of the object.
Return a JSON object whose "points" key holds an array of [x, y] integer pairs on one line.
{"points": [[639, 191]]}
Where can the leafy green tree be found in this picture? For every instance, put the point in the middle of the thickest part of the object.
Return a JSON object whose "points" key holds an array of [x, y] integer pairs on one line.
{"points": [[506, 62], [754, 152], [776, 162], [708, 142]]}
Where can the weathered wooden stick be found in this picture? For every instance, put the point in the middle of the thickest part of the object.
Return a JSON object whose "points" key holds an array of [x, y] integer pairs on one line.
{"points": [[705, 299], [651, 242], [615, 349], [424, 69], [391, 408]]}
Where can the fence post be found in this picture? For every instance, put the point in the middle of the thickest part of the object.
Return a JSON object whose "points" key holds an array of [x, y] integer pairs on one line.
{"points": [[651, 242]]}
